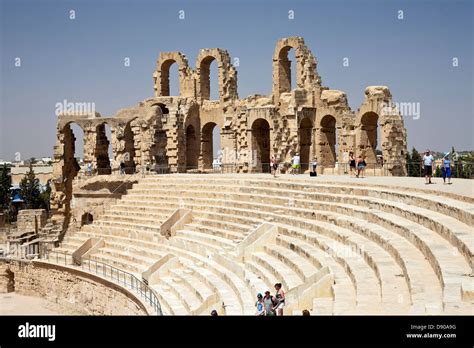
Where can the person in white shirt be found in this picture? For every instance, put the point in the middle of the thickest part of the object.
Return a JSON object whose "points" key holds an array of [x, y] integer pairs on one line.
{"points": [[428, 162], [296, 163]]}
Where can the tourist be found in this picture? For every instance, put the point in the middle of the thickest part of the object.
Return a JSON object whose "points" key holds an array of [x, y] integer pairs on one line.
{"points": [[280, 299], [352, 164], [360, 165], [314, 165], [122, 168], [214, 313], [268, 302], [296, 163], [260, 305], [364, 165], [273, 165], [428, 162], [446, 169], [89, 168], [306, 313]]}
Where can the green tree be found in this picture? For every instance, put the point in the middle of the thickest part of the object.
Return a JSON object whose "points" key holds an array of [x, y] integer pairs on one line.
{"points": [[30, 189], [414, 164], [5, 193], [45, 197]]}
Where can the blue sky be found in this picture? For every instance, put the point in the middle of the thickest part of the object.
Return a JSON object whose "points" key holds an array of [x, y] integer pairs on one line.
{"points": [[82, 60]]}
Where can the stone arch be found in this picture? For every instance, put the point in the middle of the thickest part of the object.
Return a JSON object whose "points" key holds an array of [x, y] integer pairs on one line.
{"points": [[227, 74], [261, 145], [284, 70], [164, 109], [162, 73], [207, 144], [87, 218], [306, 74], [327, 141], [305, 132], [368, 137]]}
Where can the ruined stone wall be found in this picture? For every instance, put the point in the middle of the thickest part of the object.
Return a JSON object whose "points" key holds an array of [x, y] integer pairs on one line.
{"points": [[173, 133], [31, 219], [95, 195], [7, 282], [73, 290]]}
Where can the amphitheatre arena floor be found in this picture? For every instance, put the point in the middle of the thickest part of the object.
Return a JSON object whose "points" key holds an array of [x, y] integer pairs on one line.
{"points": [[16, 304]]}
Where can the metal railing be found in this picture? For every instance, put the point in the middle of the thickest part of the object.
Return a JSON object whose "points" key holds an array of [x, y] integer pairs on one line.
{"points": [[227, 168], [123, 278], [459, 169]]}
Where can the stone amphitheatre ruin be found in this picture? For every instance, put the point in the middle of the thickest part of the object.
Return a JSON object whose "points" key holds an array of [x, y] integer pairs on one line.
{"points": [[215, 240]]}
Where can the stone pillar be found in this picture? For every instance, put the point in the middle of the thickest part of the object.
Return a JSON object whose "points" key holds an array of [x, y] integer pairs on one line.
{"points": [[7, 279]]}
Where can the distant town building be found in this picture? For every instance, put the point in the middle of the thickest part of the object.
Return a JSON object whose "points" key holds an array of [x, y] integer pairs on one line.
{"points": [[43, 173]]}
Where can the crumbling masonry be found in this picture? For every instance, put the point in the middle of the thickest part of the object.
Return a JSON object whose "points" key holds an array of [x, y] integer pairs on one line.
{"points": [[174, 133]]}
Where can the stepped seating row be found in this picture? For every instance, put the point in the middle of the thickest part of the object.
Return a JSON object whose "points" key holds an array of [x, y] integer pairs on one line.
{"points": [[386, 253]]}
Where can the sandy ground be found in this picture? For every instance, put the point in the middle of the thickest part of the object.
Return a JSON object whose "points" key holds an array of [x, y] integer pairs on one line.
{"points": [[15, 304]]}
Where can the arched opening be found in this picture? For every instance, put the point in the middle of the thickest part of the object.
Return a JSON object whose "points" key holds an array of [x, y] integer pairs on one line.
{"points": [[163, 108], [261, 144], [170, 78], [305, 134], [73, 149], [368, 142], [86, 219], [128, 156], [192, 148], [209, 87], [210, 144], [287, 69], [103, 150], [327, 141]]}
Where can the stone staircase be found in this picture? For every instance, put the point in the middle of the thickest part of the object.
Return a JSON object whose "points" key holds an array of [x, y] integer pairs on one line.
{"points": [[389, 250]]}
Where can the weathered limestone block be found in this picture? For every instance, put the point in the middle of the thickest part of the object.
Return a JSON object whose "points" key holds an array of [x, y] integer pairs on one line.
{"points": [[377, 92], [333, 97], [7, 283], [31, 219]]}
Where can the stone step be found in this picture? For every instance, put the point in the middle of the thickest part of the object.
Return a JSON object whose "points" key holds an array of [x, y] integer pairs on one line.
{"points": [[191, 233], [221, 224], [463, 211], [390, 276], [188, 299], [424, 286], [301, 266], [345, 209], [229, 236], [169, 300], [108, 231], [322, 306], [151, 220], [118, 262], [284, 274], [129, 225], [194, 284]]}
